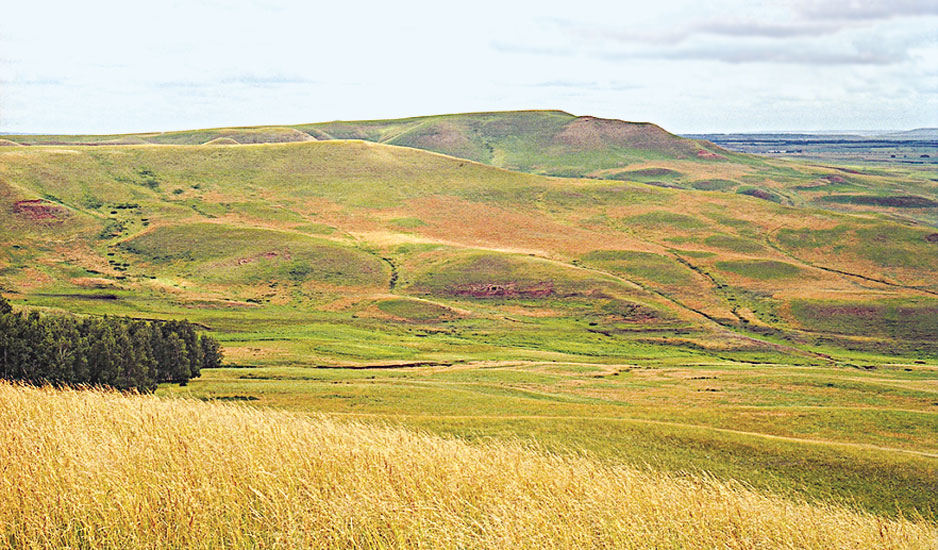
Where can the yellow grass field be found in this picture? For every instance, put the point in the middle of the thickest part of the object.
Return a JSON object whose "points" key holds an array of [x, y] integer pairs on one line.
{"points": [[92, 469]]}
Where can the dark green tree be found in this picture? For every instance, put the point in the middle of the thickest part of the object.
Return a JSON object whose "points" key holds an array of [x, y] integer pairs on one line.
{"points": [[111, 351], [211, 352]]}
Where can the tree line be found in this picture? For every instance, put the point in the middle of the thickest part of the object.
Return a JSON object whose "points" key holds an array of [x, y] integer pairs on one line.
{"points": [[118, 352]]}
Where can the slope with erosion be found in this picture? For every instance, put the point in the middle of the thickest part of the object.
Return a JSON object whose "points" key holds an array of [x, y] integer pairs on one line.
{"points": [[558, 143], [543, 142], [302, 252]]}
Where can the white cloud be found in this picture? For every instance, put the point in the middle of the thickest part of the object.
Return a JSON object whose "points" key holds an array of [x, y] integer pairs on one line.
{"points": [[867, 9], [108, 65]]}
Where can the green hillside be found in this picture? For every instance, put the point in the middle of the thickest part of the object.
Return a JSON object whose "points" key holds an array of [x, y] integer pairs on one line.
{"points": [[329, 230], [543, 142], [560, 144]]}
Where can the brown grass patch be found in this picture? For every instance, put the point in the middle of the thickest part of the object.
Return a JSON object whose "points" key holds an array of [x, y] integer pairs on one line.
{"points": [[102, 470], [93, 282], [591, 133]]}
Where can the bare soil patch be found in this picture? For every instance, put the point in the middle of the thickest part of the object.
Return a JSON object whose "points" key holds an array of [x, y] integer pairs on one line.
{"points": [[758, 193], [898, 201], [709, 155], [38, 210], [504, 290], [598, 133]]}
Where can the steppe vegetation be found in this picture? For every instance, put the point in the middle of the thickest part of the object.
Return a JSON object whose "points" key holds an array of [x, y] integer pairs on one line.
{"points": [[630, 303], [101, 470]]}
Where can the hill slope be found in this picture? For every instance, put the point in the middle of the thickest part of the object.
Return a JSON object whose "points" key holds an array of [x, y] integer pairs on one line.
{"points": [[786, 346], [545, 142], [558, 143], [330, 230]]}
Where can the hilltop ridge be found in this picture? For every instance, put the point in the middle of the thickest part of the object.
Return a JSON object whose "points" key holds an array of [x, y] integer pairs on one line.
{"points": [[539, 141], [542, 142]]}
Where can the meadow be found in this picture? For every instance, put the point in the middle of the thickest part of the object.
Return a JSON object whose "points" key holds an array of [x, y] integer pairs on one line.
{"points": [[111, 471], [861, 439]]}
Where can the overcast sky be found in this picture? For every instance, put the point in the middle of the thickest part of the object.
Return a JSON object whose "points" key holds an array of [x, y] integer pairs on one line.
{"points": [[97, 66]]}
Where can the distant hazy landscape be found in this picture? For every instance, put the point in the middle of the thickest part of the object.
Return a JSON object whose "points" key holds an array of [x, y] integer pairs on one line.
{"points": [[918, 146]]}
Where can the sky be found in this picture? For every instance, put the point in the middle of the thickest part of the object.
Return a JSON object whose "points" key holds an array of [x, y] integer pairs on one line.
{"points": [[103, 66]]}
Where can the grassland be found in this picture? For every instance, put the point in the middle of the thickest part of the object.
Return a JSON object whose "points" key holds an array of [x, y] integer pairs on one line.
{"points": [[780, 428], [788, 345], [90, 469]]}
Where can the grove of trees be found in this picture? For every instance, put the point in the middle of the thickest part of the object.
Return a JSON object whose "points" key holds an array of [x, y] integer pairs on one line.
{"points": [[118, 352]]}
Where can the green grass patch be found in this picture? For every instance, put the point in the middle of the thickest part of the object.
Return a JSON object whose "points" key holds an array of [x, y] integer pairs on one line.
{"points": [[248, 255], [416, 310], [760, 269], [664, 220], [643, 265], [735, 244]]}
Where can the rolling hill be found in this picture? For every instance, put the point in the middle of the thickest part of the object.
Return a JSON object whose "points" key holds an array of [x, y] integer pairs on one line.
{"points": [[341, 226], [731, 316], [545, 142], [557, 143]]}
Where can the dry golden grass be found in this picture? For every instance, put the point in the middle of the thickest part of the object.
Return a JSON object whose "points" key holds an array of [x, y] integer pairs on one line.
{"points": [[89, 469]]}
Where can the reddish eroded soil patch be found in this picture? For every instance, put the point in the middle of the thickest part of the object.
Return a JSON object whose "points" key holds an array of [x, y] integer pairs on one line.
{"points": [[933, 238], [265, 256], [709, 155], [38, 210], [759, 194], [504, 290], [899, 201], [598, 133], [442, 136], [625, 312], [834, 179], [854, 311]]}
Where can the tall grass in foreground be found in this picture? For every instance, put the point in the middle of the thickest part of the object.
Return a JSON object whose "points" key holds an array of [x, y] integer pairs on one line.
{"points": [[91, 469]]}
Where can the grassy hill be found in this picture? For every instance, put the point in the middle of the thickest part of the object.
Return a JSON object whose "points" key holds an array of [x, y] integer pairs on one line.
{"points": [[560, 144], [339, 226], [545, 142], [694, 327]]}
